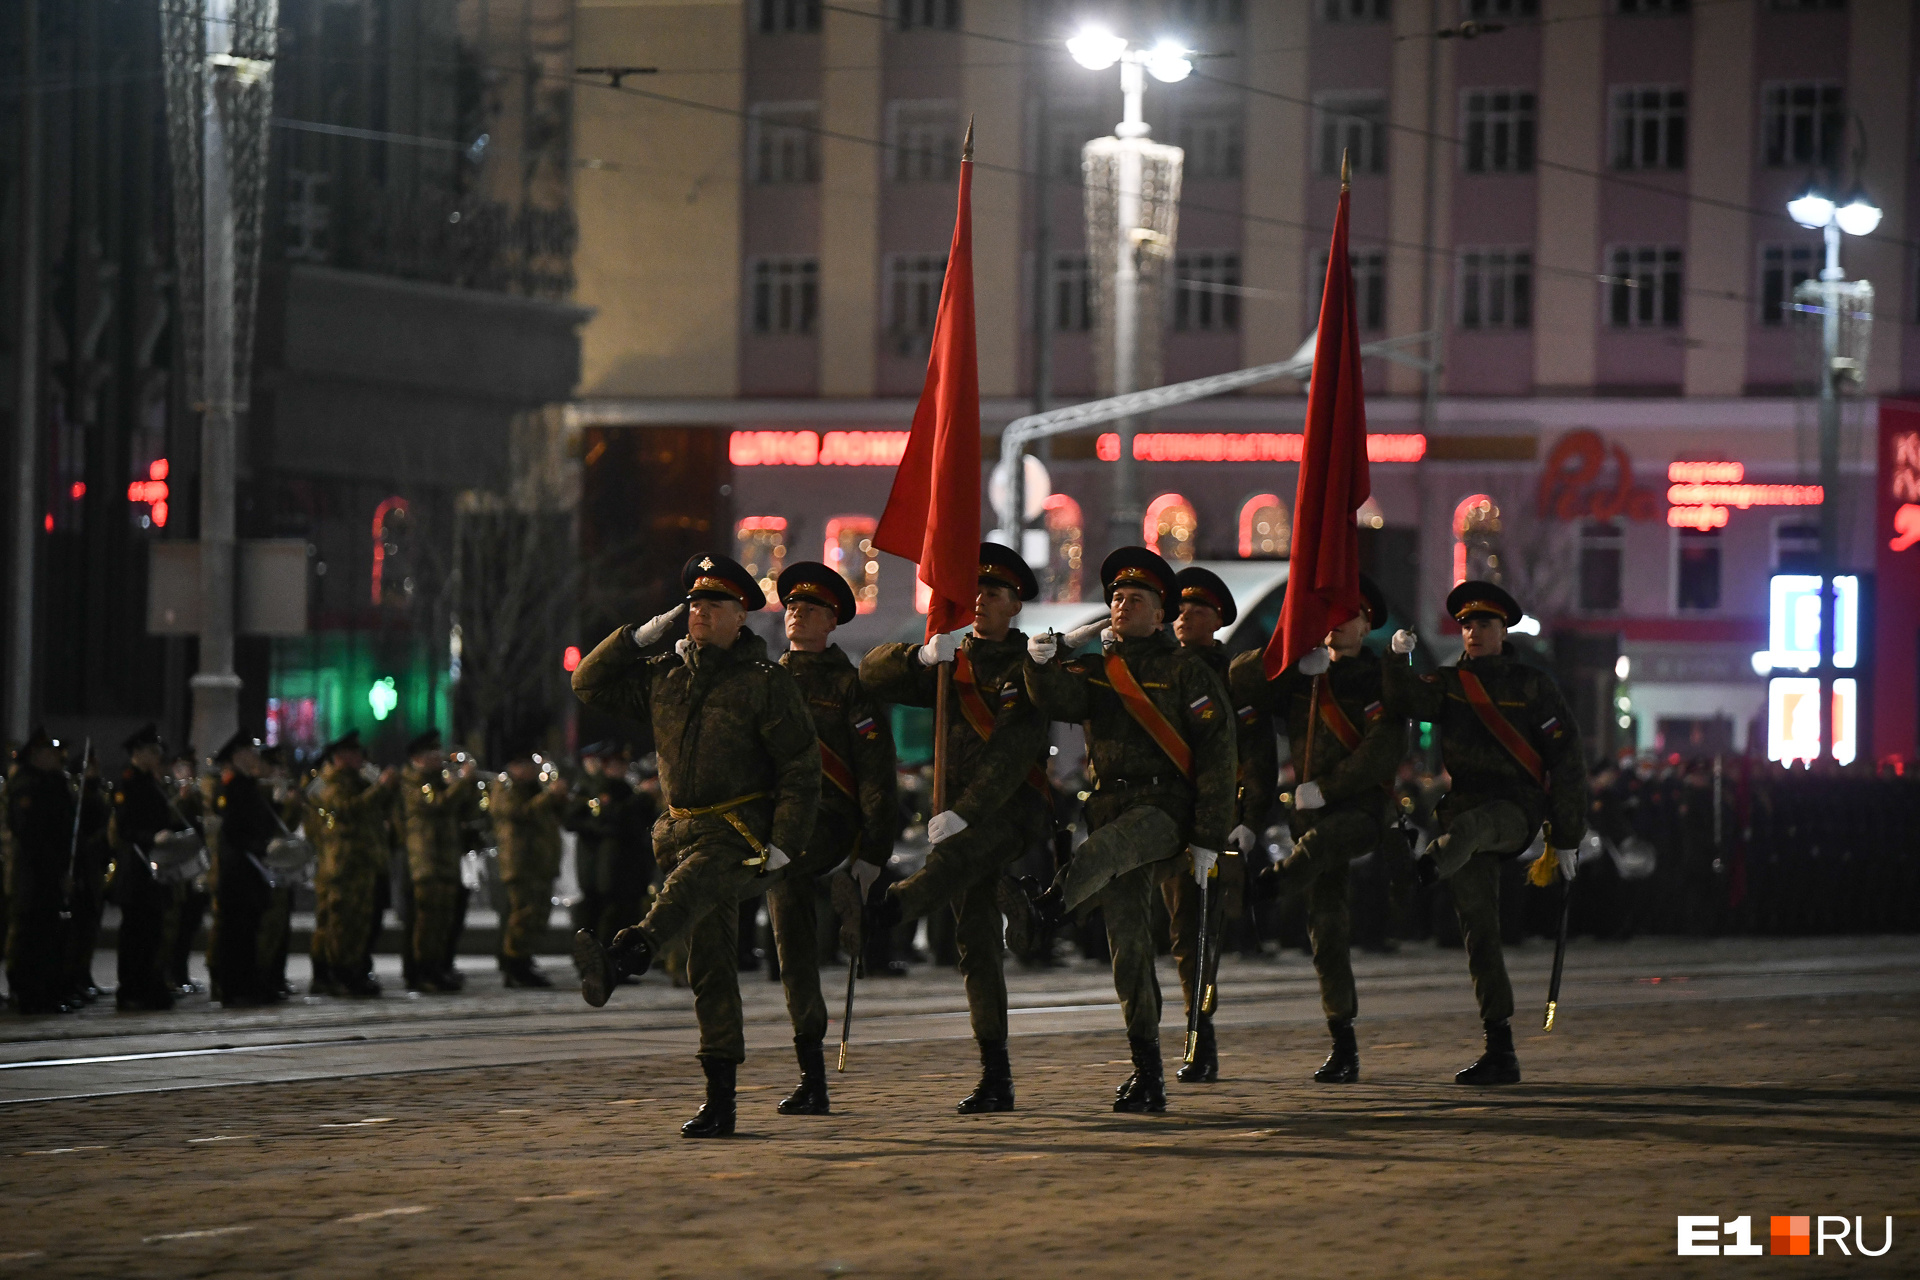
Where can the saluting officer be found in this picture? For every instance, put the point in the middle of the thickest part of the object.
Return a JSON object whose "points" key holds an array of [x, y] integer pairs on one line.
{"points": [[348, 824], [1512, 750], [1160, 745], [740, 769], [1345, 754], [999, 804]]}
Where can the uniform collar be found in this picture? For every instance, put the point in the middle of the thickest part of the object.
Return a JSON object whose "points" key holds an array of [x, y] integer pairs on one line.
{"points": [[747, 647], [831, 656], [1156, 642]]}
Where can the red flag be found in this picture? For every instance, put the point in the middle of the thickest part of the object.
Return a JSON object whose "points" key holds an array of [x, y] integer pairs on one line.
{"points": [[933, 513], [1323, 581]]}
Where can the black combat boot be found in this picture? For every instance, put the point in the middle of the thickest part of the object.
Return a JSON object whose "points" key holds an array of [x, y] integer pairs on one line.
{"points": [[361, 986], [1343, 1064], [603, 968], [1499, 1064], [995, 1090], [324, 982], [521, 973], [715, 1117], [1048, 901], [1205, 1067], [810, 1099], [1280, 880], [1146, 1089], [1024, 925]]}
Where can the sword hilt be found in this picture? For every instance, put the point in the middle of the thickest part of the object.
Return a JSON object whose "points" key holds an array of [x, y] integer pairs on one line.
{"points": [[1552, 1007], [842, 1065]]}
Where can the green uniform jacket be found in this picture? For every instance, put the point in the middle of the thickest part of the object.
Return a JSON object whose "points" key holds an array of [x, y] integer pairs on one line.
{"points": [[431, 809], [1480, 767], [1128, 766], [1359, 776], [984, 775], [853, 725], [1249, 751], [348, 823], [526, 826], [727, 723]]}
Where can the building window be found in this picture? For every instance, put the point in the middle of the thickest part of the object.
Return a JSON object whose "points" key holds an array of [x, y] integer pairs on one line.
{"points": [[849, 550], [1643, 291], [1697, 569], [1170, 528], [1356, 10], [1206, 13], [784, 142], [1496, 289], [1067, 544], [1211, 140], [786, 295], [1071, 294], [1499, 130], [783, 16], [1802, 124], [926, 15], [1266, 530], [1206, 295], [1354, 125], [1369, 269], [1796, 547], [1067, 140], [923, 141], [1631, 7], [913, 293], [1502, 8], [760, 544], [1783, 269], [1649, 127], [309, 214], [1476, 539], [1602, 548]]}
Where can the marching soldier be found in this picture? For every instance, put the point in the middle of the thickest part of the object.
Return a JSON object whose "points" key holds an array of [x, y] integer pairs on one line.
{"points": [[740, 770], [348, 824], [432, 803], [857, 814], [1512, 750], [1345, 755], [998, 806], [143, 809], [243, 888], [40, 817], [1160, 745], [526, 824]]}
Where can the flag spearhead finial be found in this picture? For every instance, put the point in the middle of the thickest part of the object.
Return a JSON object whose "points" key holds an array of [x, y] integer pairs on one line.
{"points": [[966, 148], [1346, 174]]}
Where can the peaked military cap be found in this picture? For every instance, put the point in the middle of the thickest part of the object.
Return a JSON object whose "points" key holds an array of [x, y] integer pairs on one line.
{"points": [[1203, 586], [348, 741], [1482, 600], [428, 741], [238, 742], [1002, 566], [1137, 567], [1376, 599], [39, 738], [147, 735], [716, 577], [819, 584]]}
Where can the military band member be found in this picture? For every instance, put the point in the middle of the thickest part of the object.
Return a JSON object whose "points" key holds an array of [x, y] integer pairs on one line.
{"points": [[289, 804], [998, 805], [614, 856], [1160, 746], [348, 822], [1345, 753], [40, 817], [192, 793], [740, 771], [432, 805], [526, 825], [1512, 750], [142, 809], [89, 898], [243, 892]]}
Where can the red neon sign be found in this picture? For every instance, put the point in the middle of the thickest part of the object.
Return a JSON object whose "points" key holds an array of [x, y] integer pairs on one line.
{"points": [[153, 492], [810, 449], [387, 508], [1247, 446], [1568, 488]]}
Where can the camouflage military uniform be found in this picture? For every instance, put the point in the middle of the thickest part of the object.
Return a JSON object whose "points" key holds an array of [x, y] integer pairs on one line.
{"points": [[40, 814], [431, 809], [526, 826], [740, 768], [857, 818], [1351, 748], [995, 783], [348, 824], [1495, 804], [1143, 812]]}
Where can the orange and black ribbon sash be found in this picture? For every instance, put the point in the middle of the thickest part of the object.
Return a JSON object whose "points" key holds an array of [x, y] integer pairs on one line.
{"points": [[1141, 708], [1336, 719], [838, 771], [979, 716], [1502, 728]]}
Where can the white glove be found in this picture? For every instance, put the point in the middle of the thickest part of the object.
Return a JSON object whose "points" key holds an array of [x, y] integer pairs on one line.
{"points": [[1314, 662], [944, 825], [775, 858], [648, 633], [1243, 838], [1080, 635], [938, 650], [864, 874], [1203, 860], [1307, 796], [1109, 637], [683, 646], [1404, 641], [1042, 647]]}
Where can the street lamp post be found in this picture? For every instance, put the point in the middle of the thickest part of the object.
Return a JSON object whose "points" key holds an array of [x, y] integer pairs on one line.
{"points": [[1097, 49], [1858, 216]]}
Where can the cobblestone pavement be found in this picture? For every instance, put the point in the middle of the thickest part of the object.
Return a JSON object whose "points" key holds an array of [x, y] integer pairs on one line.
{"points": [[511, 1133]]}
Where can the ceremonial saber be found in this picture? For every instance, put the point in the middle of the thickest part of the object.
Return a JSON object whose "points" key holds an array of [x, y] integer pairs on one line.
{"points": [[1567, 865], [1210, 932], [1201, 990], [846, 1019], [73, 842]]}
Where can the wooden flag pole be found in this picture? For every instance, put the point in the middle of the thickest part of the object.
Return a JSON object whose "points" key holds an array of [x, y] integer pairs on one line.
{"points": [[940, 701]]}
